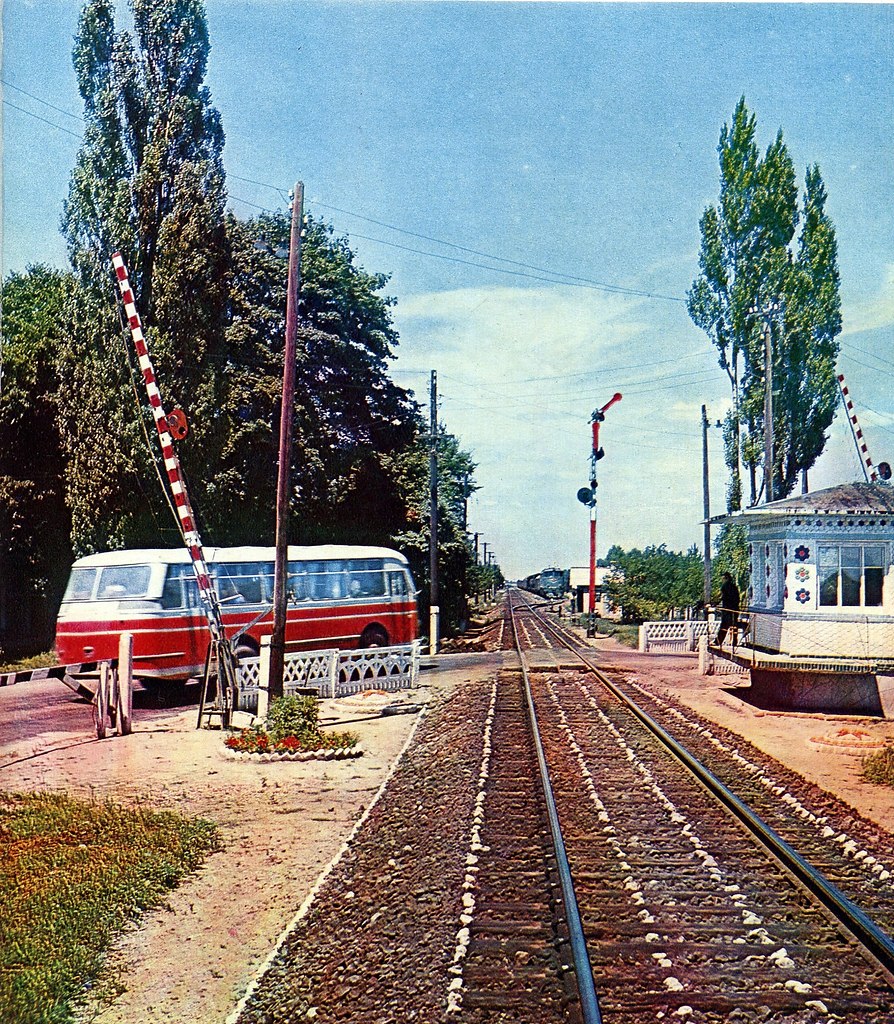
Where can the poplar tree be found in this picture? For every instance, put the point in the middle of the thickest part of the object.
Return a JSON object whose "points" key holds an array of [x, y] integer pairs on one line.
{"points": [[149, 182], [752, 255]]}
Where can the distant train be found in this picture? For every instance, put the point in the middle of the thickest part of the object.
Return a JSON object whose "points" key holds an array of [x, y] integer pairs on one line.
{"points": [[550, 582]]}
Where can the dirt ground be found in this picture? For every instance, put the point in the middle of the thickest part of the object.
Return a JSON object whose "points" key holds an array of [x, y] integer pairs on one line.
{"points": [[282, 824]]}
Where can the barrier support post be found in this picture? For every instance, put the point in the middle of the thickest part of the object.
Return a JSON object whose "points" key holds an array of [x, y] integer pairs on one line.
{"points": [[124, 697], [102, 700], [704, 661], [333, 673], [264, 678]]}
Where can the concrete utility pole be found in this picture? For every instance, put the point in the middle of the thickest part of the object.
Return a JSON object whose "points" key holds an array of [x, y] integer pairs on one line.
{"points": [[283, 475], [707, 505], [435, 611], [767, 314]]}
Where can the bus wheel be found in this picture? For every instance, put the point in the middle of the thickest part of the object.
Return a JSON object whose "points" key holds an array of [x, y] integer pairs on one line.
{"points": [[374, 636], [246, 650]]}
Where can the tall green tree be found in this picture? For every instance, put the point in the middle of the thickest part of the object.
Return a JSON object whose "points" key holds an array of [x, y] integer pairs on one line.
{"points": [[149, 182], [351, 419], [751, 255], [651, 583], [458, 577]]}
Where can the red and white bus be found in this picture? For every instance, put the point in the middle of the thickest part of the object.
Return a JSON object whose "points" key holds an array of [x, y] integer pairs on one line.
{"points": [[339, 596]]}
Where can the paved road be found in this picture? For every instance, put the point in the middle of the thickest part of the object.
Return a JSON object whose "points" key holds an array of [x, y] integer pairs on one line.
{"points": [[45, 715]]}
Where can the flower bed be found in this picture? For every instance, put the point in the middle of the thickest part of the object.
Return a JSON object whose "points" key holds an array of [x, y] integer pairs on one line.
{"points": [[292, 733]]}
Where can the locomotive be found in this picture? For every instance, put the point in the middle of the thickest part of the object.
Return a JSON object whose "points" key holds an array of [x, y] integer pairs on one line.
{"points": [[550, 582]]}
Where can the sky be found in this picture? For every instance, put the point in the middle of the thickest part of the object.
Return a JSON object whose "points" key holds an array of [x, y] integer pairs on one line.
{"points": [[531, 176]]}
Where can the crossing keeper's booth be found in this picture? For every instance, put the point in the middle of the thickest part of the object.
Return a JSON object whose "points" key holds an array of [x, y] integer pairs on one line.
{"points": [[819, 629]]}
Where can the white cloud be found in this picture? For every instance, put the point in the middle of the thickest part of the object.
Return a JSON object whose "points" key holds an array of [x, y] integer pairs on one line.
{"points": [[519, 374], [876, 312]]}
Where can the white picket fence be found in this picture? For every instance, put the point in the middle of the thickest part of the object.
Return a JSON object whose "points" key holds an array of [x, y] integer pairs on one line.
{"points": [[332, 673]]}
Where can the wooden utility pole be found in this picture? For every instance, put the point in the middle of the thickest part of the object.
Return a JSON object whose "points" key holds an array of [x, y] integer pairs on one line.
{"points": [[435, 611], [707, 506], [283, 475]]}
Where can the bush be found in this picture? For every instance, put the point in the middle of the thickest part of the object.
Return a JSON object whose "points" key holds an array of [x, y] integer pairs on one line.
{"points": [[71, 875], [291, 715], [879, 767]]}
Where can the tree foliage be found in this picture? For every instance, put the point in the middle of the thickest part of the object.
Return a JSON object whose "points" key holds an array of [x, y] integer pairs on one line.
{"points": [[652, 583], [148, 181], [752, 255], [350, 417], [34, 523], [731, 555], [457, 573]]}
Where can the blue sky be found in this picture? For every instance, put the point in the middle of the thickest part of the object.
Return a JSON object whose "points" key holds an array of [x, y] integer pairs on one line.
{"points": [[575, 143]]}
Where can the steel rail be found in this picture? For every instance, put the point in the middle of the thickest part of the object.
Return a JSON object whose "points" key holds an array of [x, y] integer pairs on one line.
{"points": [[583, 970], [842, 908]]}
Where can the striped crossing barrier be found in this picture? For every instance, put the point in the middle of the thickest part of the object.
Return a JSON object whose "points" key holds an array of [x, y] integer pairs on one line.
{"points": [[869, 470], [64, 673]]}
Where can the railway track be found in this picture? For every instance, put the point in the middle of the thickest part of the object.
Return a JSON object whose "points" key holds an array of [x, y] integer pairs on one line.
{"points": [[686, 913], [451, 905]]}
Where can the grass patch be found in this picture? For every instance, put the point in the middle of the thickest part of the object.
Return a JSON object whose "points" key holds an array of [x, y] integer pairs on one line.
{"points": [[71, 875], [879, 767], [623, 633], [47, 659]]}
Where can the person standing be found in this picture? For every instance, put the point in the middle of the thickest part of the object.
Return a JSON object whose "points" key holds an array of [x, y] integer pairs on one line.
{"points": [[729, 609]]}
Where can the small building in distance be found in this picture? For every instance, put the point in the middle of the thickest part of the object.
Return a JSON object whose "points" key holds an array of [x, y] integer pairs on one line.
{"points": [[820, 599], [579, 584]]}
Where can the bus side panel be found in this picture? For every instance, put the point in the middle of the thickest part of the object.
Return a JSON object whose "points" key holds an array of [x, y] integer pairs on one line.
{"points": [[165, 645]]}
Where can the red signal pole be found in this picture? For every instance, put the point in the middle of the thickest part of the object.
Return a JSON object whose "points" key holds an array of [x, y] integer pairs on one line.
{"points": [[597, 417]]}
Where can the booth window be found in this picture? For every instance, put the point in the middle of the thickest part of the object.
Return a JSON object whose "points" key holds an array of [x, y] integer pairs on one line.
{"points": [[851, 575]]}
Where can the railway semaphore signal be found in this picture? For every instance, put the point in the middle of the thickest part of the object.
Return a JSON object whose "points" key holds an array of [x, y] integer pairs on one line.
{"points": [[587, 495]]}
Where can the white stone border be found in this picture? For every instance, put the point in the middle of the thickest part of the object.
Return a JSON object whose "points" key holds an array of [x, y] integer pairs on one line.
{"points": [[470, 882], [273, 756], [318, 884]]}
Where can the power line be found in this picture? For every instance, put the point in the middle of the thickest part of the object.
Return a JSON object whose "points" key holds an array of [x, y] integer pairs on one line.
{"points": [[601, 372], [46, 103], [30, 113], [871, 355], [570, 279], [532, 272], [503, 259]]}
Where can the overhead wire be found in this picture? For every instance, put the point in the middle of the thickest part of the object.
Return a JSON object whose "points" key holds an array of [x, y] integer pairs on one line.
{"points": [[529, 271]]}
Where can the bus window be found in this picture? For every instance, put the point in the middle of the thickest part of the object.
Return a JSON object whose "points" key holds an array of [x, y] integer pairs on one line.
{"points": [[180, 588], [336, 583], [80, 585], [172, 592], [315, 581], [296, 582], [367, 583], [117, 581], [239, 582], [398, 584]]}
